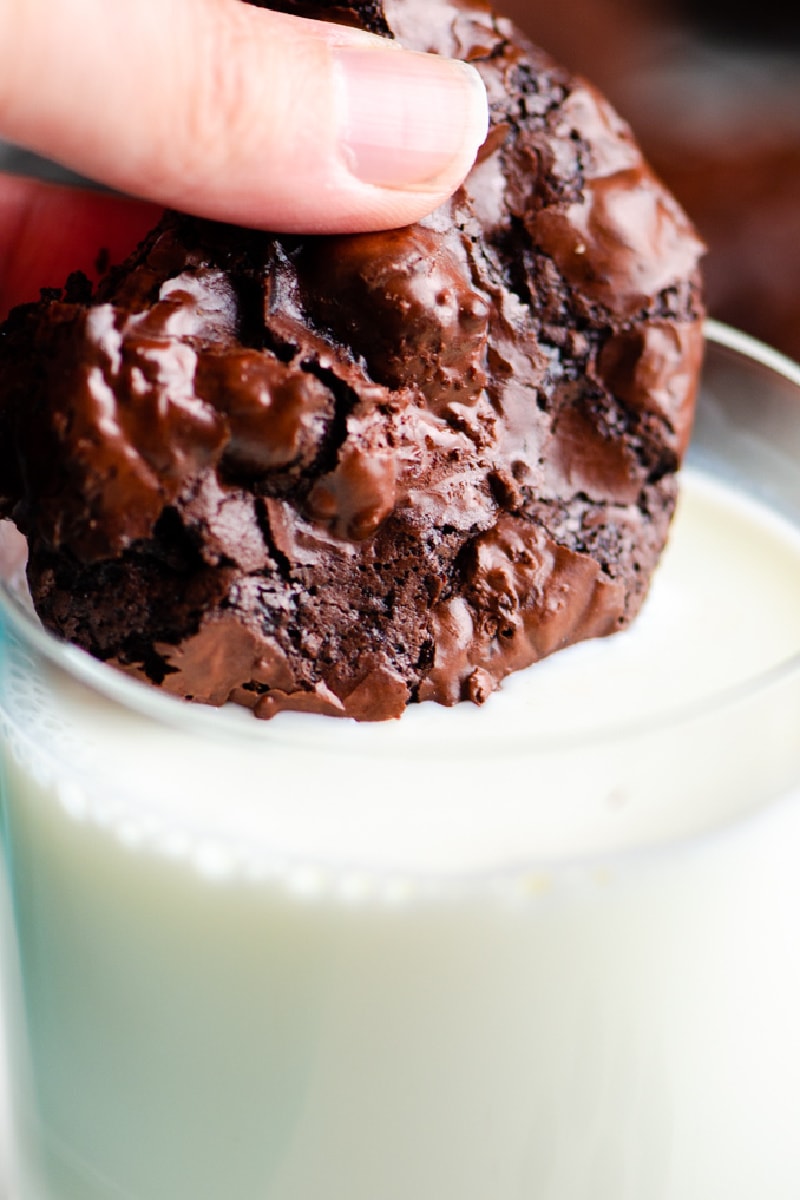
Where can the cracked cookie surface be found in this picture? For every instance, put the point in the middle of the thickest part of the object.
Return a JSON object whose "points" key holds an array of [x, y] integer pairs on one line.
{"points": [[343, 474]]}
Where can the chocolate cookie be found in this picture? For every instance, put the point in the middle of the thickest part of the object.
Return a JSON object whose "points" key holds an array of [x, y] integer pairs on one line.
{"points": [[342, 474]]}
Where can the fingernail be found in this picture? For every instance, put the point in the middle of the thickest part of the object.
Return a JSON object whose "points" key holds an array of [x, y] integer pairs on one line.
{"points": [[409, 120]]}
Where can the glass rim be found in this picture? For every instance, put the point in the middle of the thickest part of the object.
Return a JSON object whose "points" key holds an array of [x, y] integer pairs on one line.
{"points": [[234, 721], [717, 333]]}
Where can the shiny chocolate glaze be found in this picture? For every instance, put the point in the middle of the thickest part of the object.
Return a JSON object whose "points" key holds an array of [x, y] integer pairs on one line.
{"points": [[340, 474]]}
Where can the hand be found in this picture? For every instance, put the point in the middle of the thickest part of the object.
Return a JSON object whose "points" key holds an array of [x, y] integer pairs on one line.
{"points": [[238, 113]]}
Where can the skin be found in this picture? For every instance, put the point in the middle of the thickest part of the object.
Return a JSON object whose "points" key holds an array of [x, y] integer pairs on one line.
{"points": [[221, 109]]}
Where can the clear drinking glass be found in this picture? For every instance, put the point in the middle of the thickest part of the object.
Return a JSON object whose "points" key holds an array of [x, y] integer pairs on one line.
{"points": [[546, 949]]}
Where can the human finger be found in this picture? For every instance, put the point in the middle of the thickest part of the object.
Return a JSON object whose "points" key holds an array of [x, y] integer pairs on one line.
{"points": [[238, 113]]}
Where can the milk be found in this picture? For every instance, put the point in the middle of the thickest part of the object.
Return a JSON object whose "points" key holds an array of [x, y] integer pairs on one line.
{"points": [[545, 950]]}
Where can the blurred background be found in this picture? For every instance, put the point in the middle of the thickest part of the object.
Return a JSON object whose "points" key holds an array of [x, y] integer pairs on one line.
{"points": [[712, 90]]}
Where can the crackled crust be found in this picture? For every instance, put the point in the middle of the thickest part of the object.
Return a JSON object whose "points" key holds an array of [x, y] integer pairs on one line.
{"points": [[344, 474]]}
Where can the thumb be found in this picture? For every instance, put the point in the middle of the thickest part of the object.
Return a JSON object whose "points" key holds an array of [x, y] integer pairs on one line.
{"points": [[238, 113]]}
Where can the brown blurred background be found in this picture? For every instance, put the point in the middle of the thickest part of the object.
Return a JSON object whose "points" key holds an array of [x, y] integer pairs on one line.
{"points": [[712, 90]]}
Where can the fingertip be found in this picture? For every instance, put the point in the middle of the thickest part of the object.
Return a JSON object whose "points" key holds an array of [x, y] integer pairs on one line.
{"points": [[409, 121], [312, 127], [401, 132]]}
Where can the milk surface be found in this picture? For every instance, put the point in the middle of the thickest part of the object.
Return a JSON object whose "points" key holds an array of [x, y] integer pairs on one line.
{"points": [[543, 949]]}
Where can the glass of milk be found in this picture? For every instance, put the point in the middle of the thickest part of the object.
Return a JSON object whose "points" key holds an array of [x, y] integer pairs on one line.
{"points": [[544, 950]]}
